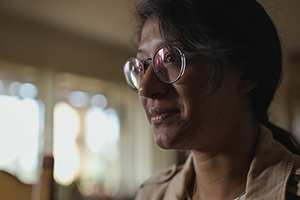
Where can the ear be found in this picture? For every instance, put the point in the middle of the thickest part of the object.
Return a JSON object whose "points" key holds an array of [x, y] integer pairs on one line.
{"points": [[246, 84]]}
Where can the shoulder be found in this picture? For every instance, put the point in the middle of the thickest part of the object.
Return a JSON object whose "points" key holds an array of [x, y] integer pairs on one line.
{"points": [[169, 183], [155, 187], [162, 176]]}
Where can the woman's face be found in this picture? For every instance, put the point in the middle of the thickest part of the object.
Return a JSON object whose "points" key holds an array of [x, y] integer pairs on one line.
{"points": [[187, 115]]}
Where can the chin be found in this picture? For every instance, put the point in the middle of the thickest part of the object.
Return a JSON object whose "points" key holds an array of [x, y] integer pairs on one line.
{"points": [[170, 138], [168, 143], [164, 145], [163, 141]]}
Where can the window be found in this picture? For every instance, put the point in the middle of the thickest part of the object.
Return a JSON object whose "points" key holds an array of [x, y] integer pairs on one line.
{"points": [[21, 124], [86, 139], [96, 130]]}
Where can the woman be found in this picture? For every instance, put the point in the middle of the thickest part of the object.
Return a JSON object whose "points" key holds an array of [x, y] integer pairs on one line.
{"points": [[206, 72]]}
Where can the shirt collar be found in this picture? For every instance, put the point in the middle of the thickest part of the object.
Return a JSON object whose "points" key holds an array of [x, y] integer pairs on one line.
{"points": [[178, 185], [267, 178], [270, 169]]}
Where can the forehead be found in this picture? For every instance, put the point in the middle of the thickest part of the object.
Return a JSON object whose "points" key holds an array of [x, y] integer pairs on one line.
{"points": [[151, 38]]}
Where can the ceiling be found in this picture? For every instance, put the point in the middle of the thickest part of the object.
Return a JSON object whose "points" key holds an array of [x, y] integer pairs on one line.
{"points": [[103, 20], [112, 21], [106, 30]]}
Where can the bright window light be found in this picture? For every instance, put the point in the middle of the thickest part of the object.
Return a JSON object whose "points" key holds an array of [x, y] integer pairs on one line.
{"points": [[14, 88], [20, 137], [78, 99], [86, 142], [102, 127], [27, 90], [66, 152], [101, 138], [99, 101]]}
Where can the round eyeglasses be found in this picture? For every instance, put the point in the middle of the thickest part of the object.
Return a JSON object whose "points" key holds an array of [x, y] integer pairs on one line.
{"points": [[168, 64]]}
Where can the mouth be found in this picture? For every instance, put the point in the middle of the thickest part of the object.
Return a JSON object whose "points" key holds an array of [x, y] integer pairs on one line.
{"points": [[159, 114]]}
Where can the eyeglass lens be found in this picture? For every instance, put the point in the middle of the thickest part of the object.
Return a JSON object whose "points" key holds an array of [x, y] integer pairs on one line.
{"points": [[167, 65]]}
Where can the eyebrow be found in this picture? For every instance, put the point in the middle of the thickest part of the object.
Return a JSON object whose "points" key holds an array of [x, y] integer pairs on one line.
{"points": [[138, 51], [163, 44]]}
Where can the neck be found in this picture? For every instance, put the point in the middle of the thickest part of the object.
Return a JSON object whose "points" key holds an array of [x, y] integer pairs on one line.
{"points": [[222, 174]]}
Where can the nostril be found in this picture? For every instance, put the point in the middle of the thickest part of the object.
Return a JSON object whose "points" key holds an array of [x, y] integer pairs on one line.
{"points": [[142, 96]]}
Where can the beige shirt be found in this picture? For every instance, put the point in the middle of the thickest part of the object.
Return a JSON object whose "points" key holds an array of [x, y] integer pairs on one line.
{"points": [[274, 175]]}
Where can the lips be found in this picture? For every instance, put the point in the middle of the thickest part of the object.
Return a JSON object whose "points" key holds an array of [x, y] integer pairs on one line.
{"points": [[160, 114]]}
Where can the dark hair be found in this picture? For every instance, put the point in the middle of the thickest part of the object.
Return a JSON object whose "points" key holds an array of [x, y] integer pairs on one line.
{"points": [[239, 30]]}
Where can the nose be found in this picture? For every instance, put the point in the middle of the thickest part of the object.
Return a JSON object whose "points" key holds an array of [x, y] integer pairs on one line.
{"points": [[151, 86]]}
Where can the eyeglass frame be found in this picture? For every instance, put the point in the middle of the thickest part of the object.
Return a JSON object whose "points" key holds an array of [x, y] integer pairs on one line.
{"points": [[182, 67]]}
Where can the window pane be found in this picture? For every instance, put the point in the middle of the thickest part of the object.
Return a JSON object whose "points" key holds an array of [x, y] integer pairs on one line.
{"points": [[21, 141], [86, 145], [66, 154]]}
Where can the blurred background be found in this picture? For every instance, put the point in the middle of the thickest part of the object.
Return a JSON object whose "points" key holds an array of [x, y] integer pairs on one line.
{"points": [[63, 98]]}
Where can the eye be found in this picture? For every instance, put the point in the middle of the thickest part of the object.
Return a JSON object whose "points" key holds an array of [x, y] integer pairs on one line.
{"points": [[171, 57]]}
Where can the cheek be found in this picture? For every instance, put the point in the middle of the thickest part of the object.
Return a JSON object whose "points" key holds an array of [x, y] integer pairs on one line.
{"points": [[202, 80], [193, 93], [144, 105], [199, 100], [196, 81]]}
